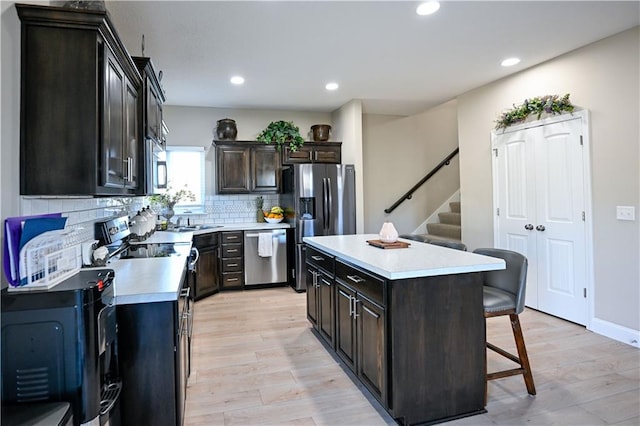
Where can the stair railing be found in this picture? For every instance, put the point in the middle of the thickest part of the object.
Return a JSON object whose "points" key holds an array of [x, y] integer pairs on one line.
{"points": [[409, 194]]}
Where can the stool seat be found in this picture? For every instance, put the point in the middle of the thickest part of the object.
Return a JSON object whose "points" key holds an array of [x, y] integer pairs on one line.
{"points": [[496, 300]]}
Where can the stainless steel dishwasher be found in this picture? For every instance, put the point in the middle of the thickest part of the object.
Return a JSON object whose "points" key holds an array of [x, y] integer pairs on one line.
{"points": [[265, 263]]}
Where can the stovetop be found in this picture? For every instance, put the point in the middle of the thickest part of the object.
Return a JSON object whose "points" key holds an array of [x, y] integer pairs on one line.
{"points": [[151, 250]]}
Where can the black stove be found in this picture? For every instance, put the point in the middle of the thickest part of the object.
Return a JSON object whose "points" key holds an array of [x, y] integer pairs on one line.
{"points": [[145, 251]]}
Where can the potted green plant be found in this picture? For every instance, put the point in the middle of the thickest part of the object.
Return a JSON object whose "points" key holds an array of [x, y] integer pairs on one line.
{"points": [[280, 133]]}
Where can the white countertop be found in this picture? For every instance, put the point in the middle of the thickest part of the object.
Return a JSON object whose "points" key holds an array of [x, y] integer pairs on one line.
{"points": [[147, 280], [418, 260]]}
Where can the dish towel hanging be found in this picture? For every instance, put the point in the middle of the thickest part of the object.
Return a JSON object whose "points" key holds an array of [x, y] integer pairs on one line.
{"points": [[265, 246]]}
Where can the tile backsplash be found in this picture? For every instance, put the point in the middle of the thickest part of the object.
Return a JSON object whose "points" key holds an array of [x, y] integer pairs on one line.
{"points": [[82, 212]]}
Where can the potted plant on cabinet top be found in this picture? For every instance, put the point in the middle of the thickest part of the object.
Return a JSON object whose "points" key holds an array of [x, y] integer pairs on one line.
{"points": [[281, 133]]}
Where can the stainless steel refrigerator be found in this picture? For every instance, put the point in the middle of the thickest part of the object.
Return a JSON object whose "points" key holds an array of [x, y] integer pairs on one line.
{"points": [[319, 199]]}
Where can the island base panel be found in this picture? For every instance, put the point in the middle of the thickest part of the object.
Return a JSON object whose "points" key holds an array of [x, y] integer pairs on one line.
{"points": [[437, 348]]}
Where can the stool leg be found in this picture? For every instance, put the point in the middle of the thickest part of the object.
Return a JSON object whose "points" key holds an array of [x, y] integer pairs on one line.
{"points": [[522, 353]]}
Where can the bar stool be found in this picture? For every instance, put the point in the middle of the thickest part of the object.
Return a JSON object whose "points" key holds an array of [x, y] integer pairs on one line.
{"points": [[503, 294]]}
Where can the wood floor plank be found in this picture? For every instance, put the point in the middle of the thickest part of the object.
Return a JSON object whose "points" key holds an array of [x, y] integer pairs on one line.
{"points": [[256, 362]]}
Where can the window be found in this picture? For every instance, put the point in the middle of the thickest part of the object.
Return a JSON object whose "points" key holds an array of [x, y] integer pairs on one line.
{"points": [[185, 166]]}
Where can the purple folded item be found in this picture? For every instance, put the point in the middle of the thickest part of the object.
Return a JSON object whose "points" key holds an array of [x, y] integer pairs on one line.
{"points": [[13, 229]]}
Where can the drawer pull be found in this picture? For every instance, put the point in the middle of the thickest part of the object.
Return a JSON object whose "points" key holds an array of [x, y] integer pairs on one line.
{"points": [[317, 258], [326, 282], [232, 250], [232, 265], [370, 312], [232, 237], [232, 279], [356, 279]]}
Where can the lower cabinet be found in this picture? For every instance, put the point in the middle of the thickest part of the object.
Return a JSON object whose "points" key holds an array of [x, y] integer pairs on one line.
{"points": [[153, 347], [320, 293], [346, 307], [205, 279], [231, 260], [360, 327]]}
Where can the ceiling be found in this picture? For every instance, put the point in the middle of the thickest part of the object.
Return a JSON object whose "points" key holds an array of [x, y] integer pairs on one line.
{"points": [[380, 52]]}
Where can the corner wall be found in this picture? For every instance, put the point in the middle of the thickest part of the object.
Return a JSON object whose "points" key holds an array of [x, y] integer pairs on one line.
{"points": [[603, 78]]}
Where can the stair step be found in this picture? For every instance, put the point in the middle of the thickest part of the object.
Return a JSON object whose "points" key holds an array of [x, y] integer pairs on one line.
{"points": [[445, 230], [455, 206], [450, 218]]}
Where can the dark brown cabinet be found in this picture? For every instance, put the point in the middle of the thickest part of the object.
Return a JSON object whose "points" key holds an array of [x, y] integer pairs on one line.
{"points": [[247, 167], [314, 152], [153, 99], [320, 293], [79, 127], [205, 279], [361, 326], [231, 260], [153, 347], [150, 108], [416, 344]]}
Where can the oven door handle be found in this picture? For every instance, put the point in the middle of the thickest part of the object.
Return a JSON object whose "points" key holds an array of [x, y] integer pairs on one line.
{"points": [[196, 253]]}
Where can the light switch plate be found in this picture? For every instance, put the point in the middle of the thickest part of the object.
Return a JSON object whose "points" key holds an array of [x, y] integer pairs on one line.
{"points": [[626, 213]]}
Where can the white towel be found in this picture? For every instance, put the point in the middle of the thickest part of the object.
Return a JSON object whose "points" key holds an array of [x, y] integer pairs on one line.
{"points": [[265, 246]]}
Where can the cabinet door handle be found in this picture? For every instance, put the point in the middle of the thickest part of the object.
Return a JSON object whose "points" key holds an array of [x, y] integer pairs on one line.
{"points": [[317, 258], [528, 227], [370, 312], [356, 279], [348, 296], [540, 228], [355, 308]]}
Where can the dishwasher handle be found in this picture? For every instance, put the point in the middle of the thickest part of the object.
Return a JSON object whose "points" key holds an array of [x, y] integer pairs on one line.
{"points": [[258, 233]]}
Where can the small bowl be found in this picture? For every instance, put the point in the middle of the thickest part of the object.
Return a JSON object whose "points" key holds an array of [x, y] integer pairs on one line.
{"points": [[271, 220]]}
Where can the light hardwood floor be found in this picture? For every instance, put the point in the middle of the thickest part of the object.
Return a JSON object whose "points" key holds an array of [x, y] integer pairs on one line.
{"points": [[256, 362]]}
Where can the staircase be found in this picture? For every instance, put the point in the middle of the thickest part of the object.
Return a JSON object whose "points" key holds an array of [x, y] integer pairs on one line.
{"points": [[449, 226], [447, 231]]}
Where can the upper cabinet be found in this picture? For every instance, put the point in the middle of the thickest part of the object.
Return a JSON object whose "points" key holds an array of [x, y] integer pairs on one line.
{"points": [[247, 167], [314, 152], [80, 131], [150, 107], [153, 99]]}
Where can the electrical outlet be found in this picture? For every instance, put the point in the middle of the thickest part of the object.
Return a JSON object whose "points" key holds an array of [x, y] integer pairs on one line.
{"points": [[626, 213]]}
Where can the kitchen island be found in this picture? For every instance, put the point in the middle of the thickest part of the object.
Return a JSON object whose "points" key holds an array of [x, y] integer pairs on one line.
{"points": [[407, 322]]}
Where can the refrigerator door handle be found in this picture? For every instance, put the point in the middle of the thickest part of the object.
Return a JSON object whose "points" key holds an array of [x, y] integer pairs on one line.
{"points": [[329, 204], [325, 205]]}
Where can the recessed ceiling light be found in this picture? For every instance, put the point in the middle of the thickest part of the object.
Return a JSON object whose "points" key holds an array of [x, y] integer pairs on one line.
{"points": [[236, 79], [331, 86], [509, 62], [428, 8]]}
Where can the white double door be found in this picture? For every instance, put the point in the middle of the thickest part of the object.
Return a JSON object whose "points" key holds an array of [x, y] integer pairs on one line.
{"points": [[539, 195]]}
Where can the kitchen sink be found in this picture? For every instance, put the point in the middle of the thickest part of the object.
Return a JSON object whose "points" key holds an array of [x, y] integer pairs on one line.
{"points": [[191, 228]]}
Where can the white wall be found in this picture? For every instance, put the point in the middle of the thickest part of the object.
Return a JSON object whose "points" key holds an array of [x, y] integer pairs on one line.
{"points": [[398, 152], [603, 78], [348, 128]]}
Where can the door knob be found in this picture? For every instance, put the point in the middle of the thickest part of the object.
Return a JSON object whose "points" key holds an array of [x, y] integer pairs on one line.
{"points": [[540, 228], [528, 227]]}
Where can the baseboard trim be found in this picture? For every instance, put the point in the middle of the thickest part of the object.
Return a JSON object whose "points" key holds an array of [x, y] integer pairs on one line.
{"points": [[616, 332]]}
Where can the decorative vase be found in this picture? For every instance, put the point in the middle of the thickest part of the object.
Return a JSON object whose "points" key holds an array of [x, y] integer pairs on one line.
{"points": [[226, 130], [320, 132], [388, 233], [169, 213]]}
